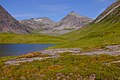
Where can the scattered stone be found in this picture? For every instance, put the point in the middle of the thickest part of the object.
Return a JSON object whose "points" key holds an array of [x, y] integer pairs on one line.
{"points": [[109, 63], [92, 77], [23, 60], [61, 50]]}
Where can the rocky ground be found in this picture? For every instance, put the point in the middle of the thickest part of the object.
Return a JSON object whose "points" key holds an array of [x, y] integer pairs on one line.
{"points": [[113, 50]]}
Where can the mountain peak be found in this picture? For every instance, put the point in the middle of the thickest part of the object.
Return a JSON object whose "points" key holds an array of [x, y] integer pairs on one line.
{"points": [[0, 6], [72, 13]]}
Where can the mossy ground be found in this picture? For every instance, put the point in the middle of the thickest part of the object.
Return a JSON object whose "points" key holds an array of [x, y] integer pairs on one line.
{"points": [[67, 66]]}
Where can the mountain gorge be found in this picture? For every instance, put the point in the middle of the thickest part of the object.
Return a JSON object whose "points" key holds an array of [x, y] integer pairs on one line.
{"points": [[69, 23], [10, 24]]}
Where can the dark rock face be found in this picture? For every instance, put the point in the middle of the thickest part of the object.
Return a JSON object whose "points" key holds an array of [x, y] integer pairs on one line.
{"points": [[9, 24], [69, 23]]}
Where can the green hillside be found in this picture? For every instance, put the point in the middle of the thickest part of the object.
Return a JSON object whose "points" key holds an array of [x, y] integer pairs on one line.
{"points": [[29, 38], [96, 35]]}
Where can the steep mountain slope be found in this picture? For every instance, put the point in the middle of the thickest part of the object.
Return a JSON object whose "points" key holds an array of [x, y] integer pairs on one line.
{"points": [[103, 31], [9, 24], [110, 10], [69, 23]]}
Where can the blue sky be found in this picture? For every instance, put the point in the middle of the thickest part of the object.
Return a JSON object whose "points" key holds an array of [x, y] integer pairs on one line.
{"points": [[54, 9]]}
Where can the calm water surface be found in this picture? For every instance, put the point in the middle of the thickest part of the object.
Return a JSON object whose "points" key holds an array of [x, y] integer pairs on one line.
{"points": [[19, 49]]}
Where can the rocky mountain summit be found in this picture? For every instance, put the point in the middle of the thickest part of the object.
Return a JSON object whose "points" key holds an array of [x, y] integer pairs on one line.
{"points": [[72, 22], [69, 23], [10, 24]]}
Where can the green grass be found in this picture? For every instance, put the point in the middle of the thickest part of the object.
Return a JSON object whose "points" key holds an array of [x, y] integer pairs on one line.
{"points": [[6, 38], [68, 66]]}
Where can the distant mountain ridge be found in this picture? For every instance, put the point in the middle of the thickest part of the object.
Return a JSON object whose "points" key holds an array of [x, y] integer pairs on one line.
{"points": [[40, 23], [10, 24], [69, 23]]}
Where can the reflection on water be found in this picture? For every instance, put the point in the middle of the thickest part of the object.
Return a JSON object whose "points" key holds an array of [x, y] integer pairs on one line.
{"points": [[19, 49]]}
